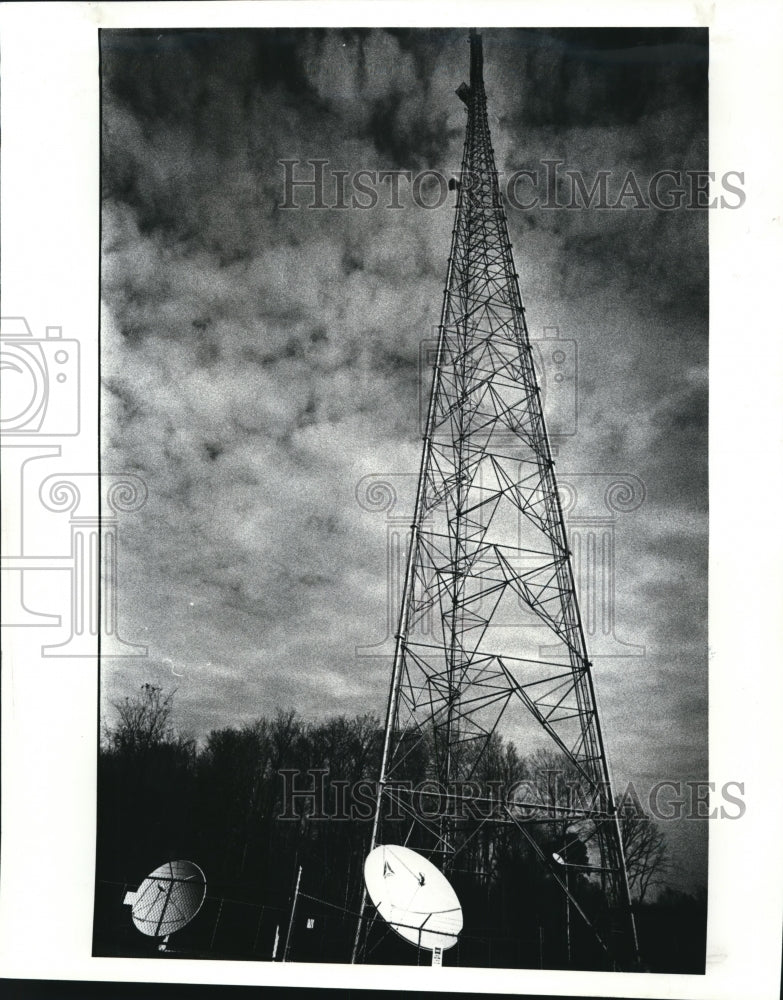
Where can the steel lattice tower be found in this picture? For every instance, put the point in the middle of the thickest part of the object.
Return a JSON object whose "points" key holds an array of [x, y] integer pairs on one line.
{"points": [[489, 585]]}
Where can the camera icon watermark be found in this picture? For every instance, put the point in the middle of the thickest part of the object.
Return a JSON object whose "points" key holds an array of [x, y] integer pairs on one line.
{"points": [[555, 358], [556, 363], [40, 381]]}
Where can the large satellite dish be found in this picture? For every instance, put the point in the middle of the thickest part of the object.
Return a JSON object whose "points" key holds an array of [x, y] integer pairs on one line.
{"points": [[168, 898], [413, 897]]}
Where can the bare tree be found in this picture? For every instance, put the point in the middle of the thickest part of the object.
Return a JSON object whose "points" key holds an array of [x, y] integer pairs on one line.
{"points": [[143, 721], [646, 851]]}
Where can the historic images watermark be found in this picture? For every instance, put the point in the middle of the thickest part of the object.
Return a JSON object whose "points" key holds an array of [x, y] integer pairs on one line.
{"points": [[317, 184], [41, 404], [550, 794]]}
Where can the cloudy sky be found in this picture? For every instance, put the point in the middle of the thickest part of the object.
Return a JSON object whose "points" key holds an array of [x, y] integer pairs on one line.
{"points": [[259, 362]]}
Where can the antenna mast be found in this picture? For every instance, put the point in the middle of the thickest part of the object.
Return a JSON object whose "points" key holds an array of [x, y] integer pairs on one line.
{"points": [[490, 630]]}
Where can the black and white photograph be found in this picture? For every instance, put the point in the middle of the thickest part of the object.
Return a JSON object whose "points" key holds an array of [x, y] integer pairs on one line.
{"points": [[392, 588], [404, 338]]}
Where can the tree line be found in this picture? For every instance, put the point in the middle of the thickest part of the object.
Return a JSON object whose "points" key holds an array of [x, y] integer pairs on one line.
{"points": [[227, 806]]}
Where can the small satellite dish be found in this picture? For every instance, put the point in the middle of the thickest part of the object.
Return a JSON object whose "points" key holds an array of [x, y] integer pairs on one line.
{"points": [[413, 897], [168, 898]]}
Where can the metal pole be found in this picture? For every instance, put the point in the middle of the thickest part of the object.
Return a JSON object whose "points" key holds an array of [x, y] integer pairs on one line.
{"points": [[165, 907], [293, 914], [214, 929], [568, 919], [258, 929]]}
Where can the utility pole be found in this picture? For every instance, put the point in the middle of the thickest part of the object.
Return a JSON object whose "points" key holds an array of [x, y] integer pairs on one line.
{"points": [[287, 948]]}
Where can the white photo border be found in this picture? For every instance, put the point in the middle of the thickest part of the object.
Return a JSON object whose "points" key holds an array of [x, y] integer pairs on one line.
{"points": [[50, 260]]}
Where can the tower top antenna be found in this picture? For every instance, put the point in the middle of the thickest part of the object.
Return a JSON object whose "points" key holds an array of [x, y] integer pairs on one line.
{"points": [[464, 92], [476, 59]]}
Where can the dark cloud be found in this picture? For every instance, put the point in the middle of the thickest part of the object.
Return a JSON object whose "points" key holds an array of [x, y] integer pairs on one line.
{"points": [[570, 78]]}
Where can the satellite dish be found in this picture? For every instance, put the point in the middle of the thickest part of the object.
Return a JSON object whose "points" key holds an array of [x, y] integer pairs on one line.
{"points": [[413, 897], [168, 898]]}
